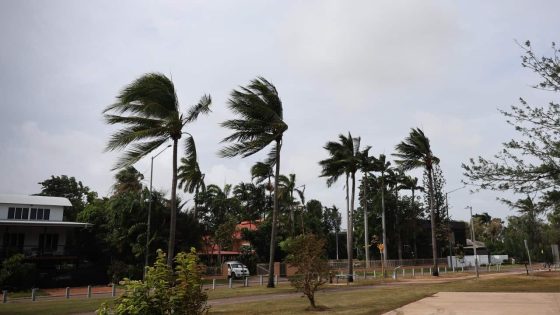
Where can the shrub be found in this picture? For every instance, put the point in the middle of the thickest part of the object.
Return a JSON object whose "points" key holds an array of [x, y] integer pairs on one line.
{"points": [[163, 291], [16, 274], [306, 253]]}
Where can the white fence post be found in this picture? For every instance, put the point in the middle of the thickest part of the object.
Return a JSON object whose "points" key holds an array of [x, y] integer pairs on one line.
{"points": [[33, 294], [89, 291], [113, 290], [5, 296], [230, 282], [213, 284], [261, 280], [67, 293]]}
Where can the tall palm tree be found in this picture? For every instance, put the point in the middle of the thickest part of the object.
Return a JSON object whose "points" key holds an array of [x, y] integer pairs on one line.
{"points": [[260, 172], [415, 152], [383, 166], [260, 124], [367, 164], [190, 177], [398, 177], [288, 184], [148, 111], [344, 159]]}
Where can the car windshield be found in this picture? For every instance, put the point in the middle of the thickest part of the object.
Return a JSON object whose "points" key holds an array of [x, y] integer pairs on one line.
{"points": [[237, 266]]}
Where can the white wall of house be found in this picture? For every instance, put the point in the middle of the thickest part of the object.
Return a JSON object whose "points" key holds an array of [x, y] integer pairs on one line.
{"points": [[56, 212]]}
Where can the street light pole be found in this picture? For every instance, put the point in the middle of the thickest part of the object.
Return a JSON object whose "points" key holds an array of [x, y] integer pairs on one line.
{"points": [[150, 210], [474, 244], [449, 223]]}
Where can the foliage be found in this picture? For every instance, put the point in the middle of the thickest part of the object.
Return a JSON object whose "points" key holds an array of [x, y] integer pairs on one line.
{"points": [[528, 164], [306, 253], [16, 274], [67, 187], [163, 291]]}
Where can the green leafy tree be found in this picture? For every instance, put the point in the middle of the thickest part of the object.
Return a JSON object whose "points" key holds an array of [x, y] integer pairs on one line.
{"points": [[306, 253], [148, 111], [344, 158], [67, 187], [531, 162], [415, 152], [260, 123]]}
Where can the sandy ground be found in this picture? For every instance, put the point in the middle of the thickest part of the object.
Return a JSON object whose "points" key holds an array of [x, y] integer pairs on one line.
{"points": [[478, 303]]}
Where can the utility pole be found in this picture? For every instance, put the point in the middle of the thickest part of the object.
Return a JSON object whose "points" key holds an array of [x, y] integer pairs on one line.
{"points": [[150, 211], [449, 224], [474, 244]]}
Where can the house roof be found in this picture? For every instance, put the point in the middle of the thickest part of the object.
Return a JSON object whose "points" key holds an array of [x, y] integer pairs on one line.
{"points": [[28, 223], [34, 200]]}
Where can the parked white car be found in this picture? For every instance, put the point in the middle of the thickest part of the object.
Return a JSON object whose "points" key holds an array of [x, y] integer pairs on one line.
{"points": [[235, 269]]}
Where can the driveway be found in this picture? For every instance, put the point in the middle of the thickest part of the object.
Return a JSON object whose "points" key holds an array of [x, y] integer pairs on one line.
{"points": [[478, 303]]}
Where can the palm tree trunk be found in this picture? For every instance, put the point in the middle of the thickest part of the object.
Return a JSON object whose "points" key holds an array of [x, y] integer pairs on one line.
{"points": [[398, 227], [384, 232], [432, 221], [274, 218], [196, 204], [351, 230], [366, 243], [414, 227], [350, 268], [173, 219], [292, 218]]}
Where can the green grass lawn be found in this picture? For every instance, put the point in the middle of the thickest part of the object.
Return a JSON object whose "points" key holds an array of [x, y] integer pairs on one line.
{"points": [[383, 299], [375, 300]]}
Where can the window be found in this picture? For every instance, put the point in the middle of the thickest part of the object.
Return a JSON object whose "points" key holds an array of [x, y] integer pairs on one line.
{"points": [[14, 240], [25, 214], [11, 213], [48, 242]]}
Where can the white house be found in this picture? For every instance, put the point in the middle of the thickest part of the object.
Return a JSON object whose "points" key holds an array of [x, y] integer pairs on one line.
{"points": [[33, 225]]}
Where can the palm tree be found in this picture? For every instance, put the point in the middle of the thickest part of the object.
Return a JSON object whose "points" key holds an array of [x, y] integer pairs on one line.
{"points": [[260, 124], [288, 184], [383, 166], [415, 152], [190, 177], [128, 180], [148, 111], [344, 159], [260, 172], [367, 164], [397, 180]]}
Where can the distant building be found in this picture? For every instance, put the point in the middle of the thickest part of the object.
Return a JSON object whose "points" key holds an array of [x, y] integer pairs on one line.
{"points": [[34, 226], [210, 250]]}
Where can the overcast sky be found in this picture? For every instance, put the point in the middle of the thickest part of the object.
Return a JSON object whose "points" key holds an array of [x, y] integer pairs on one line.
{"points": [[374, 68]]}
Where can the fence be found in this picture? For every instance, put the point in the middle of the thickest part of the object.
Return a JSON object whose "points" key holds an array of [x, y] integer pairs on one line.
{"points": [[67, 293], [391, 263]]}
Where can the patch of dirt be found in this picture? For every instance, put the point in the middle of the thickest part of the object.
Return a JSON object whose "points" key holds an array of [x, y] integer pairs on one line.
{"points": [[318, 308]]}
